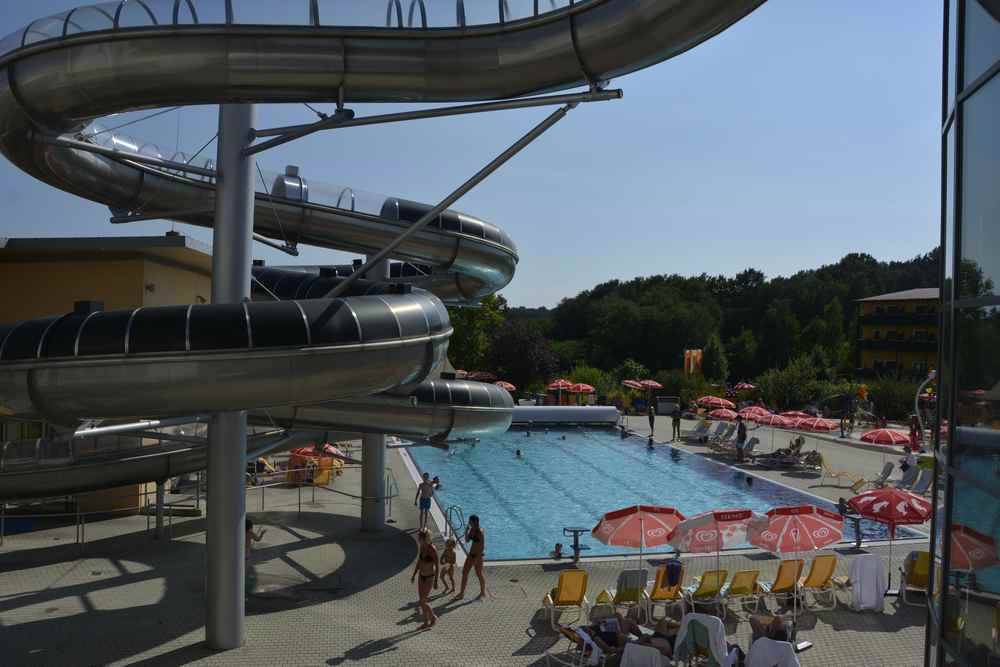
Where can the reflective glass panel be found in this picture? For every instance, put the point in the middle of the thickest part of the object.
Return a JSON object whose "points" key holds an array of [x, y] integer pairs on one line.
{"points": [[982, 37], [952, 52], [979, 270], [43, 29], [977, 367], [143, 13], [90, 19], [286, 12]]}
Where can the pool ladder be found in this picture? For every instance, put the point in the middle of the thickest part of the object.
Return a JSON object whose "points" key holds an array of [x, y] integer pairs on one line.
{"points": [[454, 519]]}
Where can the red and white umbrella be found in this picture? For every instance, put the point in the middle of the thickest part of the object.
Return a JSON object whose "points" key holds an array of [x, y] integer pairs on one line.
{"points": [[638, 526], [893, 507], [796, 414], [886, 436], [776, 421], [723, 413], [753, 412], [650, 384], [712, 531], [505, 385], [744, 386], [633, 384], [817, 424], [581, 388], [796, 529], [971, 550], [716, 402], [559, 385]]}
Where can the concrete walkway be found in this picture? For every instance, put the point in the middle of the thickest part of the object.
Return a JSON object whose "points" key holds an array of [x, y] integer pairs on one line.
{"points": [[325, 594]]}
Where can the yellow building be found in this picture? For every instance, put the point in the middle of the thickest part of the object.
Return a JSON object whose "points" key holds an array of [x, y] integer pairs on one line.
{"points": [[47, 276], [899, 333]]}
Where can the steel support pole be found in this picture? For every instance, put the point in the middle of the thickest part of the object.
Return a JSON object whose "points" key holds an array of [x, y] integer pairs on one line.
{"points": [[159, 509], [227, 432], [372, 482]]}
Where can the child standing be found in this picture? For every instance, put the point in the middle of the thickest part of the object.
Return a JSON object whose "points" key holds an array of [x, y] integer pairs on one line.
{"points": [[448, 565]]}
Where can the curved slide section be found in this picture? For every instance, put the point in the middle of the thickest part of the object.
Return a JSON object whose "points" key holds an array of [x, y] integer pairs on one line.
{"points": [[317, 360]]}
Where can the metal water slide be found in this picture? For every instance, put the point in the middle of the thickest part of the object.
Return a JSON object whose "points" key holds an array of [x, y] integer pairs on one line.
{"points": [[366, 357]]}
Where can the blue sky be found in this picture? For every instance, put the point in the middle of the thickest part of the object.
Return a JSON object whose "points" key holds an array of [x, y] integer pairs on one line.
{"points": [[806, 131]]}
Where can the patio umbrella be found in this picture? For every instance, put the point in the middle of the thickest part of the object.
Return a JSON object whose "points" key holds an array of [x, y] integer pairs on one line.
{"points": [[716, 402], [650, 384], [817, 424], [796, 414], [712, 531], [776, 421], [744, 386], [581, 388], [971, 550], [723, 413], [893, 507], [638, 526], [633, 384], [885, 436], [559, 386], [753, 412], [505, 385], [796, 529]]}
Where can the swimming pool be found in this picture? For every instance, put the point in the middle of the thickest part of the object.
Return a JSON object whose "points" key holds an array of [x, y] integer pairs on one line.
{"points": [[572, 476]]}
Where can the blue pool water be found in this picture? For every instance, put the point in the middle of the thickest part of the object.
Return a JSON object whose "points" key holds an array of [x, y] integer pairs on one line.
{"points": [[571, 477]]}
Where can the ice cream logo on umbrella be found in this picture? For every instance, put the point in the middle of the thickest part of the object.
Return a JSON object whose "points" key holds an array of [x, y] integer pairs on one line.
{"points": [[656, 532], [821, 533], [879, 506], [706, 536]]}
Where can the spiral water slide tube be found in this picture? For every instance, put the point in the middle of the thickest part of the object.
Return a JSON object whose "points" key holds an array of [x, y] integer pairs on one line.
{"points": [[373, 349]]}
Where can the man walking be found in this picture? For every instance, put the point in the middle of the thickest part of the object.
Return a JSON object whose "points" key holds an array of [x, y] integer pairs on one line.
{"points": [[741, 438], [651, 413], [425, 491], [675, 417]]}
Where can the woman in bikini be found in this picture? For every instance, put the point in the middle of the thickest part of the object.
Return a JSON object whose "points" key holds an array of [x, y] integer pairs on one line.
{"points": [[427, 569], [476, 537]]}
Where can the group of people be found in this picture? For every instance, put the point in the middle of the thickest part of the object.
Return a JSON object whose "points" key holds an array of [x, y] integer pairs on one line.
{"points": [[675, 418], [432, 568]]}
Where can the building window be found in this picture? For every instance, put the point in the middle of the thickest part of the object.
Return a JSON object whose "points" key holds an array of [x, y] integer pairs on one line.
{"points": [[895, 310]]}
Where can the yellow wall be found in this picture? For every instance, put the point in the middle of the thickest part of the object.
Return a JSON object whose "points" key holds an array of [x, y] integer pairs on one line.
{"points": [[41, 288], [907, 330], [906, 306], [170, 285]]}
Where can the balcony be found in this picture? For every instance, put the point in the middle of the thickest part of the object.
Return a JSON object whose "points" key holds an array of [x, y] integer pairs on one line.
{"points": [[900, 318], [908, 344]]}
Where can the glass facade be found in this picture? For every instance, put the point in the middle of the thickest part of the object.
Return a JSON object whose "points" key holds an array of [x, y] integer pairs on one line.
{"points": [[964, 600]]}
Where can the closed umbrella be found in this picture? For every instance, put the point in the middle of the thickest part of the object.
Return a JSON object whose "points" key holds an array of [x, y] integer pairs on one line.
{"points": [[723, 413], [505, 385], [893, 507], [885, 436], [716, 402], [638, 526]]}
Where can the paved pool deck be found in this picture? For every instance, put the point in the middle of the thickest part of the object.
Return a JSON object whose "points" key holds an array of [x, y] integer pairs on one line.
{"points": [[323, 593]]}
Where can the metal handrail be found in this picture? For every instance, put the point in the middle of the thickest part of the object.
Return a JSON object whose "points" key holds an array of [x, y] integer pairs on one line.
{"points": [[423, 13], [399, 14], [454, 519]]}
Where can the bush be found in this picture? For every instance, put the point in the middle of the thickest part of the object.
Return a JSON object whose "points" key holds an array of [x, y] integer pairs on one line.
{"points": [[791, 387], [893, 398], [688, 387], [595, 377]]}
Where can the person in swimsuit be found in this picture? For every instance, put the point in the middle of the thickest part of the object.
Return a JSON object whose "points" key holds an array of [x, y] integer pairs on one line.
{"points": [[427, 569], [476, 537], [424, 494], [448, 565]]}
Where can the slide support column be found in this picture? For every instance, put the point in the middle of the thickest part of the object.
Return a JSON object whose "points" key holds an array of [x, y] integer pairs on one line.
{"points": [[159, 509], [232, 240], [373, 450]]}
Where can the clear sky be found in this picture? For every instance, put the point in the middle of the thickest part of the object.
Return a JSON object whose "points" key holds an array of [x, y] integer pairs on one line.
{"points": [[806, 131]]}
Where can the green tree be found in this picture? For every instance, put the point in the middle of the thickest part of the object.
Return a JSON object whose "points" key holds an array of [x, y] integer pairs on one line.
{"points": [[714, 364], [595, 377], [779, 334], [474, 329], [791, 387], [521, 354], [742, 353], [630, 369]]}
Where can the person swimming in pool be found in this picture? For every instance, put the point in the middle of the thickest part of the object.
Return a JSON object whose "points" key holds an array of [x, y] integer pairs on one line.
{"points": [[518, 455]]}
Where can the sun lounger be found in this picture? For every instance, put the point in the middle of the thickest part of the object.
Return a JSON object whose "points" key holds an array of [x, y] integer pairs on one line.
{"points": [[570, 594], [878, 482], [708, 590], [908, 478], [700, 432], [743, 588], [923, 484], [837, 474], [914, 577], [628, 592], [663, 594], [766, 651], [786, 582], [727, 434], [819, 582]]}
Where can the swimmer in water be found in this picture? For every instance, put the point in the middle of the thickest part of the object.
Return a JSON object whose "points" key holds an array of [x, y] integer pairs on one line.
{"points": [[517, 454]]}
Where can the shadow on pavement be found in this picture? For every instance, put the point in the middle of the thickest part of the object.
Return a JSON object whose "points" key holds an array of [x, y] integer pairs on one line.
{"points": [[164, 598]]}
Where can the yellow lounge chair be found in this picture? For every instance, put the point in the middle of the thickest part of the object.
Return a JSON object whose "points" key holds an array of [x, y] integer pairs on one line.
{"points": [[663, 594], [915, 576], [786, 582], [742, 588], [708, 590], [570, 594], [838, 474], [820, 583], [629, 591]]}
